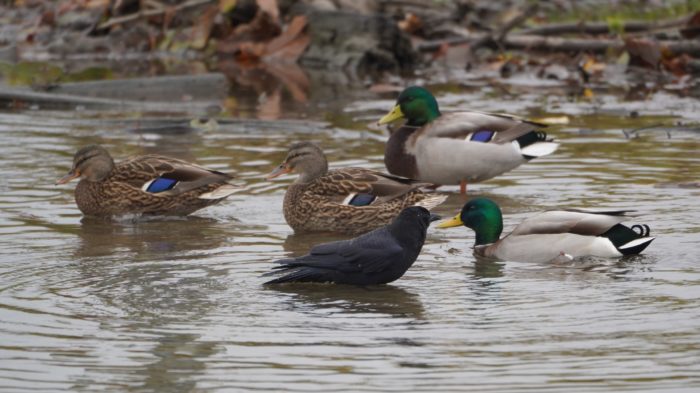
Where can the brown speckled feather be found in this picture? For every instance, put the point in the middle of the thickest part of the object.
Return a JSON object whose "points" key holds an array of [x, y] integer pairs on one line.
{"points": [[121, 192], [318, 205]]}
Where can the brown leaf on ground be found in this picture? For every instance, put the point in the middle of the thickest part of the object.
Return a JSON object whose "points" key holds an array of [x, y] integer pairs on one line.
{"points": [[286, 47], [678, 65], [643, 52], [263, 27], [692, 27], [411, 23], [202, 29], [226, 5], [289, 45], [270, 7], [249, 53]]}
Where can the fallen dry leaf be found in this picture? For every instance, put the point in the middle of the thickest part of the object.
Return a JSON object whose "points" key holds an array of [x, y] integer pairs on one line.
{"points": [[643, 51], [226, 5], [270, 7], [291, 44], [692, 27], [411, 23], [202, 29]]}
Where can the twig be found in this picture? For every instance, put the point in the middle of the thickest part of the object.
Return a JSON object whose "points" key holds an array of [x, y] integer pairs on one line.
{"points": [[153, 12], [482, 39], [602, 28], [516, 21], [691, 47], [497, 37], [557, 44]]}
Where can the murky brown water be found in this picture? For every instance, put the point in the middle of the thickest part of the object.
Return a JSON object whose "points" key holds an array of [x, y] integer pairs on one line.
{"points": [[177, 305]]}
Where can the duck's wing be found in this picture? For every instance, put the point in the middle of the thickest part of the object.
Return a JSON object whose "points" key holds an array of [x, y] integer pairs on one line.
{"points": [[362, 187], [479, 127], [167, 176], [580, 222]]}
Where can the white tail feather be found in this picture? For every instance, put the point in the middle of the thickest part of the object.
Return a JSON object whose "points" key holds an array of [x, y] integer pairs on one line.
{"points": [[539, 149], [636, 242], [221, 192], [431, 201]]}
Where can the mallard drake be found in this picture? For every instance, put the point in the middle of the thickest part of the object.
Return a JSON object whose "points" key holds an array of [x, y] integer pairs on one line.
{"points": [[458, 147], [149, 184], [348, 200], [555, 235], [377, 257]]}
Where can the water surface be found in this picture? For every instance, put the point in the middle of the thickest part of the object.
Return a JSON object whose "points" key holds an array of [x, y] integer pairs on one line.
{"points": [[177, 304]]}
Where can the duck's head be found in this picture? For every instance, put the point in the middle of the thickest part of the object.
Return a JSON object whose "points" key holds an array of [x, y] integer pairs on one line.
{"points": [[483, 216], [304, 158], [91, 163], [416, 104]]}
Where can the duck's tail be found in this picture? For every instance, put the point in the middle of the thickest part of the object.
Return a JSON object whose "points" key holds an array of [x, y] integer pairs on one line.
{"points": [[536, 144], [222, 192], [629, 241], [431, 200]]}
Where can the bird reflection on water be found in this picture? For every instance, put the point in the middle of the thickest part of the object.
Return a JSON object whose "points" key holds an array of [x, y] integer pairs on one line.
{"points": [[347, 299]]}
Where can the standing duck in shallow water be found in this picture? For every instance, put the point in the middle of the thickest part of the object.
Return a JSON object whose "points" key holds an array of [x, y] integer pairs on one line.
{"points": [[150, 184], [555, 235], [347, 200], [458, 147]]}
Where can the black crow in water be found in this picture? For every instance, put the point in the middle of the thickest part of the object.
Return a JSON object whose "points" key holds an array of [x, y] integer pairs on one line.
{"points": [[377, 257]]}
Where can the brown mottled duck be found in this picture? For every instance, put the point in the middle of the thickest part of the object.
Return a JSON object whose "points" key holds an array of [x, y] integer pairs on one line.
{"points": [[347, 200], [148, 185]]}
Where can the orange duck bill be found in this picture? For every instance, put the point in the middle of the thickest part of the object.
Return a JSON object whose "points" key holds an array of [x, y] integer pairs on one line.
{"points": [[279, 171], [70, 176]]}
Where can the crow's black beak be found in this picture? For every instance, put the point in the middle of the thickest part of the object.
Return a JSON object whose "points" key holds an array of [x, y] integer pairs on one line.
{"points": [[434, 217]]}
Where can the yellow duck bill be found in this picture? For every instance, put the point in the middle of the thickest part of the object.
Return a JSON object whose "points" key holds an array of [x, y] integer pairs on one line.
{"points": [[452, 222], [393, 115]]}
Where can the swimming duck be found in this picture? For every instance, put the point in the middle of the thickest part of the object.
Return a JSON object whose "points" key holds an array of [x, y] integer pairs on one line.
{"points": [[556, 235], [347, 200], [377, 257], [149, 184], [458, 147]]}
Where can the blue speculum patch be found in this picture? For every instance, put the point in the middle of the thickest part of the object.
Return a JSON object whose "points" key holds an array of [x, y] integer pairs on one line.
{"points": [[161, 184], [362, 200], [482, 136]]}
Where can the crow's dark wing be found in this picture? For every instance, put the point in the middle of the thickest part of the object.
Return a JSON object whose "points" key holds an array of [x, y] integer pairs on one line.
{"points": [[369, 253]]}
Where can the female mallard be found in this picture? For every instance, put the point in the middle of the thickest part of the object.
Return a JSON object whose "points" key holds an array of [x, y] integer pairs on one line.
{"points": [[348, 200], [457, 147], [149, 184], [550, 235]]}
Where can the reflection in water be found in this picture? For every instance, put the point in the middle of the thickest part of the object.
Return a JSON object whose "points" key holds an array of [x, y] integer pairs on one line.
{"points": [[380, 299], [158, 298], [148, 237], [487, 267], [181, 360]]}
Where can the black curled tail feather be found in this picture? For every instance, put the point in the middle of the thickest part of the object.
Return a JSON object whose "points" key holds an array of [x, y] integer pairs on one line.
{"points": [[532, 137], [642, 228], [629, 240]]}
